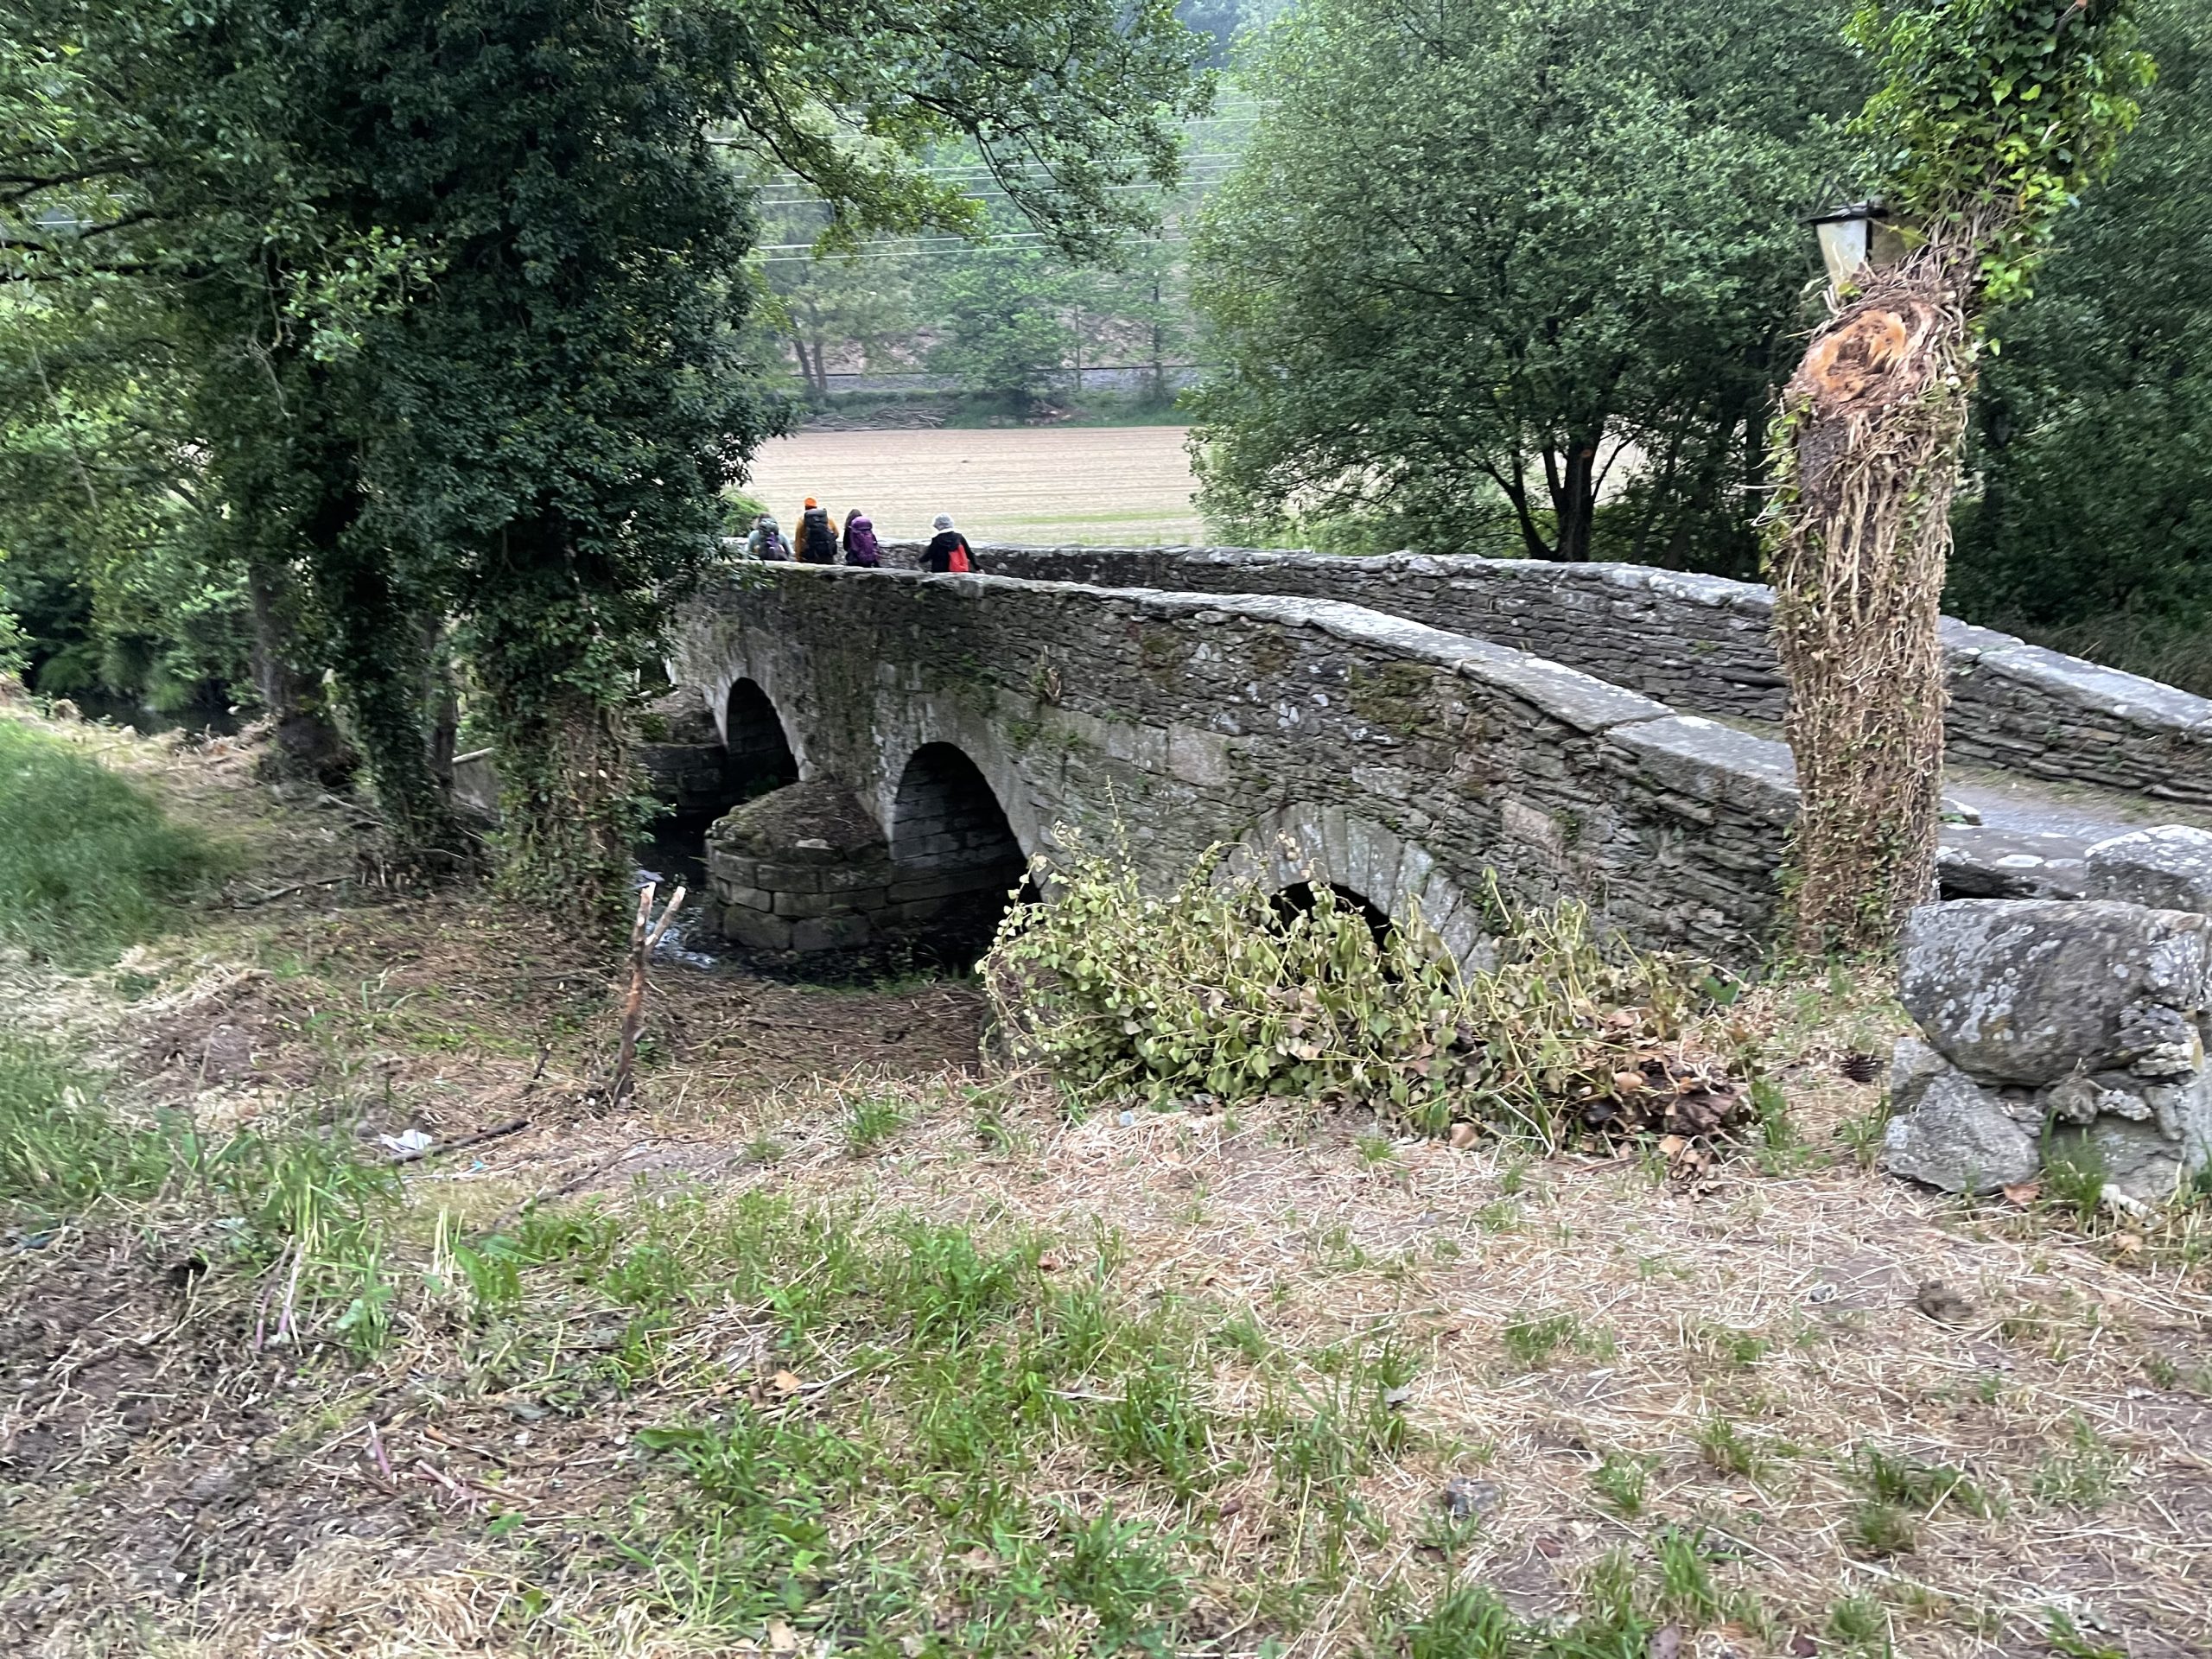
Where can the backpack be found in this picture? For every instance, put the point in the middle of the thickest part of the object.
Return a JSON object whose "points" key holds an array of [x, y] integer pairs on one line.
{"points": [[818, 538], [860, 548], [771, 545], [957, 562]]}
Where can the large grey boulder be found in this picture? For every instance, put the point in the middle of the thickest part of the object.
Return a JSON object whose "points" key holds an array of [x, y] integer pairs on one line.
{"points": [[1961, 1136], [2169, 868], [2030, 992], [1913, 1066]]}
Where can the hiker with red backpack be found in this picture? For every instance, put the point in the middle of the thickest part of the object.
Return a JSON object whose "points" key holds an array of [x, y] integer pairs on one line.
{"points": [[948, 552], [861, 547], [817, 537]]}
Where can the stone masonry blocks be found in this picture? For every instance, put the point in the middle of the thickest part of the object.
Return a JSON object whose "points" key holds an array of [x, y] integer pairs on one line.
{"points": [[1699, 643], [2053, 1029], [1405, 764]]}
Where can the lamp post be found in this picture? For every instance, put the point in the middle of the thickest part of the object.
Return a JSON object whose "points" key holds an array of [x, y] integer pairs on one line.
{"points": [[1858, 233]]}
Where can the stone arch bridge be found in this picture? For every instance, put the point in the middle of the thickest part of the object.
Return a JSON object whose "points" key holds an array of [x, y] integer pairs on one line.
{"points": [[1374, 724]]}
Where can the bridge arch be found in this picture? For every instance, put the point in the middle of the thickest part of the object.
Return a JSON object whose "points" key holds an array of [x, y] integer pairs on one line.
{"points": [[761, 753], [953, 847], [1305, 844]]}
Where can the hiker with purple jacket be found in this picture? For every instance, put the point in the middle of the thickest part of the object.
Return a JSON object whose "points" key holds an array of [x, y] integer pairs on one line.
{"points": [[861, 547]]}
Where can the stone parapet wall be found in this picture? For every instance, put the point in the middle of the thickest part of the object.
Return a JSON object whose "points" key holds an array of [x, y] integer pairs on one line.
{"points": [[1407, 763], [1698, 643]]}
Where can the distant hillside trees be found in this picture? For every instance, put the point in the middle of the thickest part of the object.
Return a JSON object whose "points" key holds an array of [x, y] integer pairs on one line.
{"points": [[452, 295]]}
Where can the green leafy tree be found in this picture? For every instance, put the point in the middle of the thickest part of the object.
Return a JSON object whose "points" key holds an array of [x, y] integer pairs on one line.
{"points": [[153, 210], [458, 286], [1008, 316], [2088, 515], [1991, 116], [827, 303], [1478, 257], [1138, 312], [93, 512]]}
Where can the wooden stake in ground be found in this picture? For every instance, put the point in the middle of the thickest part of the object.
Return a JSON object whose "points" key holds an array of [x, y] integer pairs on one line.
{"points": [[1866, 455], [644, 935]]}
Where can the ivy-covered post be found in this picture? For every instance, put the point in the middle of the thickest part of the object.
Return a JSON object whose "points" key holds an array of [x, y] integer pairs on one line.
{"points": [[1990, 115]]}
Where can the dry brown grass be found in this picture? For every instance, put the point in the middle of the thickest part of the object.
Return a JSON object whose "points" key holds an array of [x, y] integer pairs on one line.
{"points": [[1740, 1338]]}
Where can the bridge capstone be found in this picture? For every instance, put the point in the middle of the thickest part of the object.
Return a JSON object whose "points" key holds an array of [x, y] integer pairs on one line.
{"points": [[1701, 645]]}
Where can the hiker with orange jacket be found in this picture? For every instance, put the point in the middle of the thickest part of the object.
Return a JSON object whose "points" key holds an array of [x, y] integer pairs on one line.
{"points": [[816, 538]]}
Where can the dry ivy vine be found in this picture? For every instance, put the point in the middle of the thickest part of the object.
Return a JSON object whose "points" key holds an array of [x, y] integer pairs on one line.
{"points": [[1992, 114]]}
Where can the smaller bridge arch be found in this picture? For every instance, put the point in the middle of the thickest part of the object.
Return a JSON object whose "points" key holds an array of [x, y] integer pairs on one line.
{"points": [[953, 847], [1305, 844], [944, 814], [761, 753]]}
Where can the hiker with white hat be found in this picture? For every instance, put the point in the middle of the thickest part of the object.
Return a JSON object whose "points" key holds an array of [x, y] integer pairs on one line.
{"points": [[948, 552]]}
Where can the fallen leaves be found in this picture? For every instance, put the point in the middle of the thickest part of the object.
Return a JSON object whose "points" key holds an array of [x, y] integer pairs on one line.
{"points": [[1687, 1101]]}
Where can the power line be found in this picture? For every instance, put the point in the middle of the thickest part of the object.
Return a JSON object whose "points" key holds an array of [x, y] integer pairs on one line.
{"points": [[810, 200], [789, 176]]}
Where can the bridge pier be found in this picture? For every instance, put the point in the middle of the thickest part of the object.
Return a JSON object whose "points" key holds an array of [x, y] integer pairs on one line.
{"points": [[805, 870]]}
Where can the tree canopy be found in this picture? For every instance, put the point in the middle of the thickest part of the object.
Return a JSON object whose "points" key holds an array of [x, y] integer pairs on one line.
{"points": [[1474, 252], [453, 292], [2090, 509]]}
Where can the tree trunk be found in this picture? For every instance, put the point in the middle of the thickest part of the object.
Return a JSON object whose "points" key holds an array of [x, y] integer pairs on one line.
{"points": [[380, 675], [441, 699], [568, 796], [1866, 452], [567, 817], [1515, 489], [813, 368], [307, 744], [1574, 501], [1158, 352]]}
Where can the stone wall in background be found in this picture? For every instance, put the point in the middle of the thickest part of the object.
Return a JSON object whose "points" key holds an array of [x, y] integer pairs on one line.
{"points": [[1405, 763], [1698, 643], [2062, 1031]]}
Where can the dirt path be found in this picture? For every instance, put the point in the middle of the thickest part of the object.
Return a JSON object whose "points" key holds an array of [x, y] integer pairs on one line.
{"points": [[1128, 484]]}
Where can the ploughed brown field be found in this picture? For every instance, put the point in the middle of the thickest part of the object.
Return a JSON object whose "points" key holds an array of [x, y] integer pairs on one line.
{"points": [[1105, 485]]}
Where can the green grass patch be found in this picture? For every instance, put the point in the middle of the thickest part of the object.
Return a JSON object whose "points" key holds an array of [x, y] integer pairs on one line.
{"points": [[89, 863], [893, 1475], [60, 1151], [301, 1200]]}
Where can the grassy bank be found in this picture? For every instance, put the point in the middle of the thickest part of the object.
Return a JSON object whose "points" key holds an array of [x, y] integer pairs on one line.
{"points": [[831, 1342], [89, 863]]}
